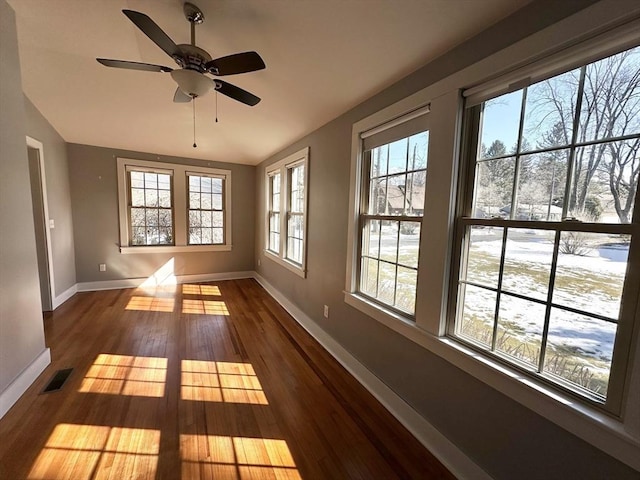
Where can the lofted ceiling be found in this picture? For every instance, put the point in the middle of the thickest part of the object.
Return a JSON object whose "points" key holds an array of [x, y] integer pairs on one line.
{"points": [[323, 57]]}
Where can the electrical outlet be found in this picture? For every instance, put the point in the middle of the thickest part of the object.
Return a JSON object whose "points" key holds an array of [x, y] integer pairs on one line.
{"points": [[326, 311], [103, 267]]}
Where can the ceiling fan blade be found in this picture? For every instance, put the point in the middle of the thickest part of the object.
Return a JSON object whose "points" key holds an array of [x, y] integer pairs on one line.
{"points": [[236, 93], [181, 97], [155, 33], [237, 63], [147, 67]]}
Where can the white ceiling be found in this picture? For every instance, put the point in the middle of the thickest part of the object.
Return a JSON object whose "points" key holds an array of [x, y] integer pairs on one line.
{"points": [[323, 57]]}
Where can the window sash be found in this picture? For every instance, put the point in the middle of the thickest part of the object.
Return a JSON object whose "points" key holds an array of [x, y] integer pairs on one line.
{"points": [[216, 228], [145, 229], [629, 299]]}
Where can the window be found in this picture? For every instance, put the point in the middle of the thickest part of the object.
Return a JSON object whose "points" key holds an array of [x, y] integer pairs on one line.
{"points": [[393, 206], [150, 207], [171, 207], [274, 212], [287, 211], [206, 209], [549, 226], [390, 172]]}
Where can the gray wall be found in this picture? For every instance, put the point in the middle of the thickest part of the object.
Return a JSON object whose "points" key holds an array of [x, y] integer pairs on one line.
{"points": [[94, 197], [58, 196], [506, 439], [21, 327]]}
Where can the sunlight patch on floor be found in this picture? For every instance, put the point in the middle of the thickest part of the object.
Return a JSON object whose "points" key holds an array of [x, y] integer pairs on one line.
{"points": [[204, 307], [236, 458], [126, 375], [151, 304], [94, 452], [228, 382], [194, 289]]}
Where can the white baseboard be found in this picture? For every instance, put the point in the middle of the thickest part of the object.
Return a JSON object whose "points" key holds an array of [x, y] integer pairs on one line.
{"points": [[137, 282], [442, 448], [64, 296], [15, 390]]}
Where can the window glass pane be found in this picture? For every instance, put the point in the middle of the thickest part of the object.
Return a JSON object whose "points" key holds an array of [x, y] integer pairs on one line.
{"points": [[406, 294], [206, 219], [389, 241], [610, 102], [195, 237], [137, 197], [205, 185], [369, 277], [591, 271], [194, 200], [137, 217], [371, 238], [379, 161], [205, 201], [151, 217], [150, 180], [387, 282], [216, 201], [164, 181], [520, 325], [396, 201], [138, 236], [541, 186], [494, 188], [398, 156], [378, 204], [483, 256], [478, 311], [216, 185], [207, 237], [605, 182], [164, 198], [137, 179], [164, 217], [500, 124], [527, 262], [218, 236], [549, 112], [195, 218], [194, 183], [580, 349], [151, 198], [409, 246], [414, 193], [418, 151]]}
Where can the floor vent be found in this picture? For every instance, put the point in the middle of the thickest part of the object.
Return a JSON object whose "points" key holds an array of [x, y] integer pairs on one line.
{"points": [[57, 382]]}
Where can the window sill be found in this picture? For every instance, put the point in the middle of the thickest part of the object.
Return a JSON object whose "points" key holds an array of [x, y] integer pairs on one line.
{"points": [[297, 269], [175, 249], [591, 425]]}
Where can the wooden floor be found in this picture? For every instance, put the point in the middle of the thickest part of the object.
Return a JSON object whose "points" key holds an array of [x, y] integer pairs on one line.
{"points": [[211, 381]]}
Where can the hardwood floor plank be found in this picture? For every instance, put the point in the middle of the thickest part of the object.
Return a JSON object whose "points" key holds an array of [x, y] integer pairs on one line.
{"points": [[199, 381]]}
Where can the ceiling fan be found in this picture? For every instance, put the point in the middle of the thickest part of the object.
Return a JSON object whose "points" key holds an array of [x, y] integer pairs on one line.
{"points": [[194, 62]]}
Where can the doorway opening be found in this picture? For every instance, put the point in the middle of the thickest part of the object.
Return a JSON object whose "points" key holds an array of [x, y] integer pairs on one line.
{"points": [[41, 222]]}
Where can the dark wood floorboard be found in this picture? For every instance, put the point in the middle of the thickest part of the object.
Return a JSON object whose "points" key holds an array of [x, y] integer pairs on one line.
{"points": [[206, 381]]}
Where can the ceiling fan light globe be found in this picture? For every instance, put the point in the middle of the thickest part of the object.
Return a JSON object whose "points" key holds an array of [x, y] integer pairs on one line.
{"points": [[191, 82]]}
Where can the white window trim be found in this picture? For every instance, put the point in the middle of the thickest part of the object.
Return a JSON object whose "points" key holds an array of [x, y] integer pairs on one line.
{"points": [[301, 157], [583, 31], [180, 206]]}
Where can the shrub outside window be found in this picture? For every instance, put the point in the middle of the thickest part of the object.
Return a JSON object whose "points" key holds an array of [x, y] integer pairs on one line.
{"points": [[549, 227]]}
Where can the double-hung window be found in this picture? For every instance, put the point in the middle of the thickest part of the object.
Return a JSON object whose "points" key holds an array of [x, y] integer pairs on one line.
{"points": [[549, 232], [173, 207], [392, 184], [286, 217], [150, 206]]}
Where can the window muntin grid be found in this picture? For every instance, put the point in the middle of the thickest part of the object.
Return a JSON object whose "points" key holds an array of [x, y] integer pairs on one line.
{"points": [[274, 212], [391, 223], [150, 208], [568, 159], [206, 209], [295, 213]]}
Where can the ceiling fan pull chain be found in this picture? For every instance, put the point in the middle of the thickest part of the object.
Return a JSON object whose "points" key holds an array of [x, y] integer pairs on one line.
{"points": [[216, 106], [194, 123]]}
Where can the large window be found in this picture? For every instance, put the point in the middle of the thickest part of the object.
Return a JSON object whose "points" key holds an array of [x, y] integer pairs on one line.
{"points": [[549, 227], [393, 205], [287, 211], [172, 207]]}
